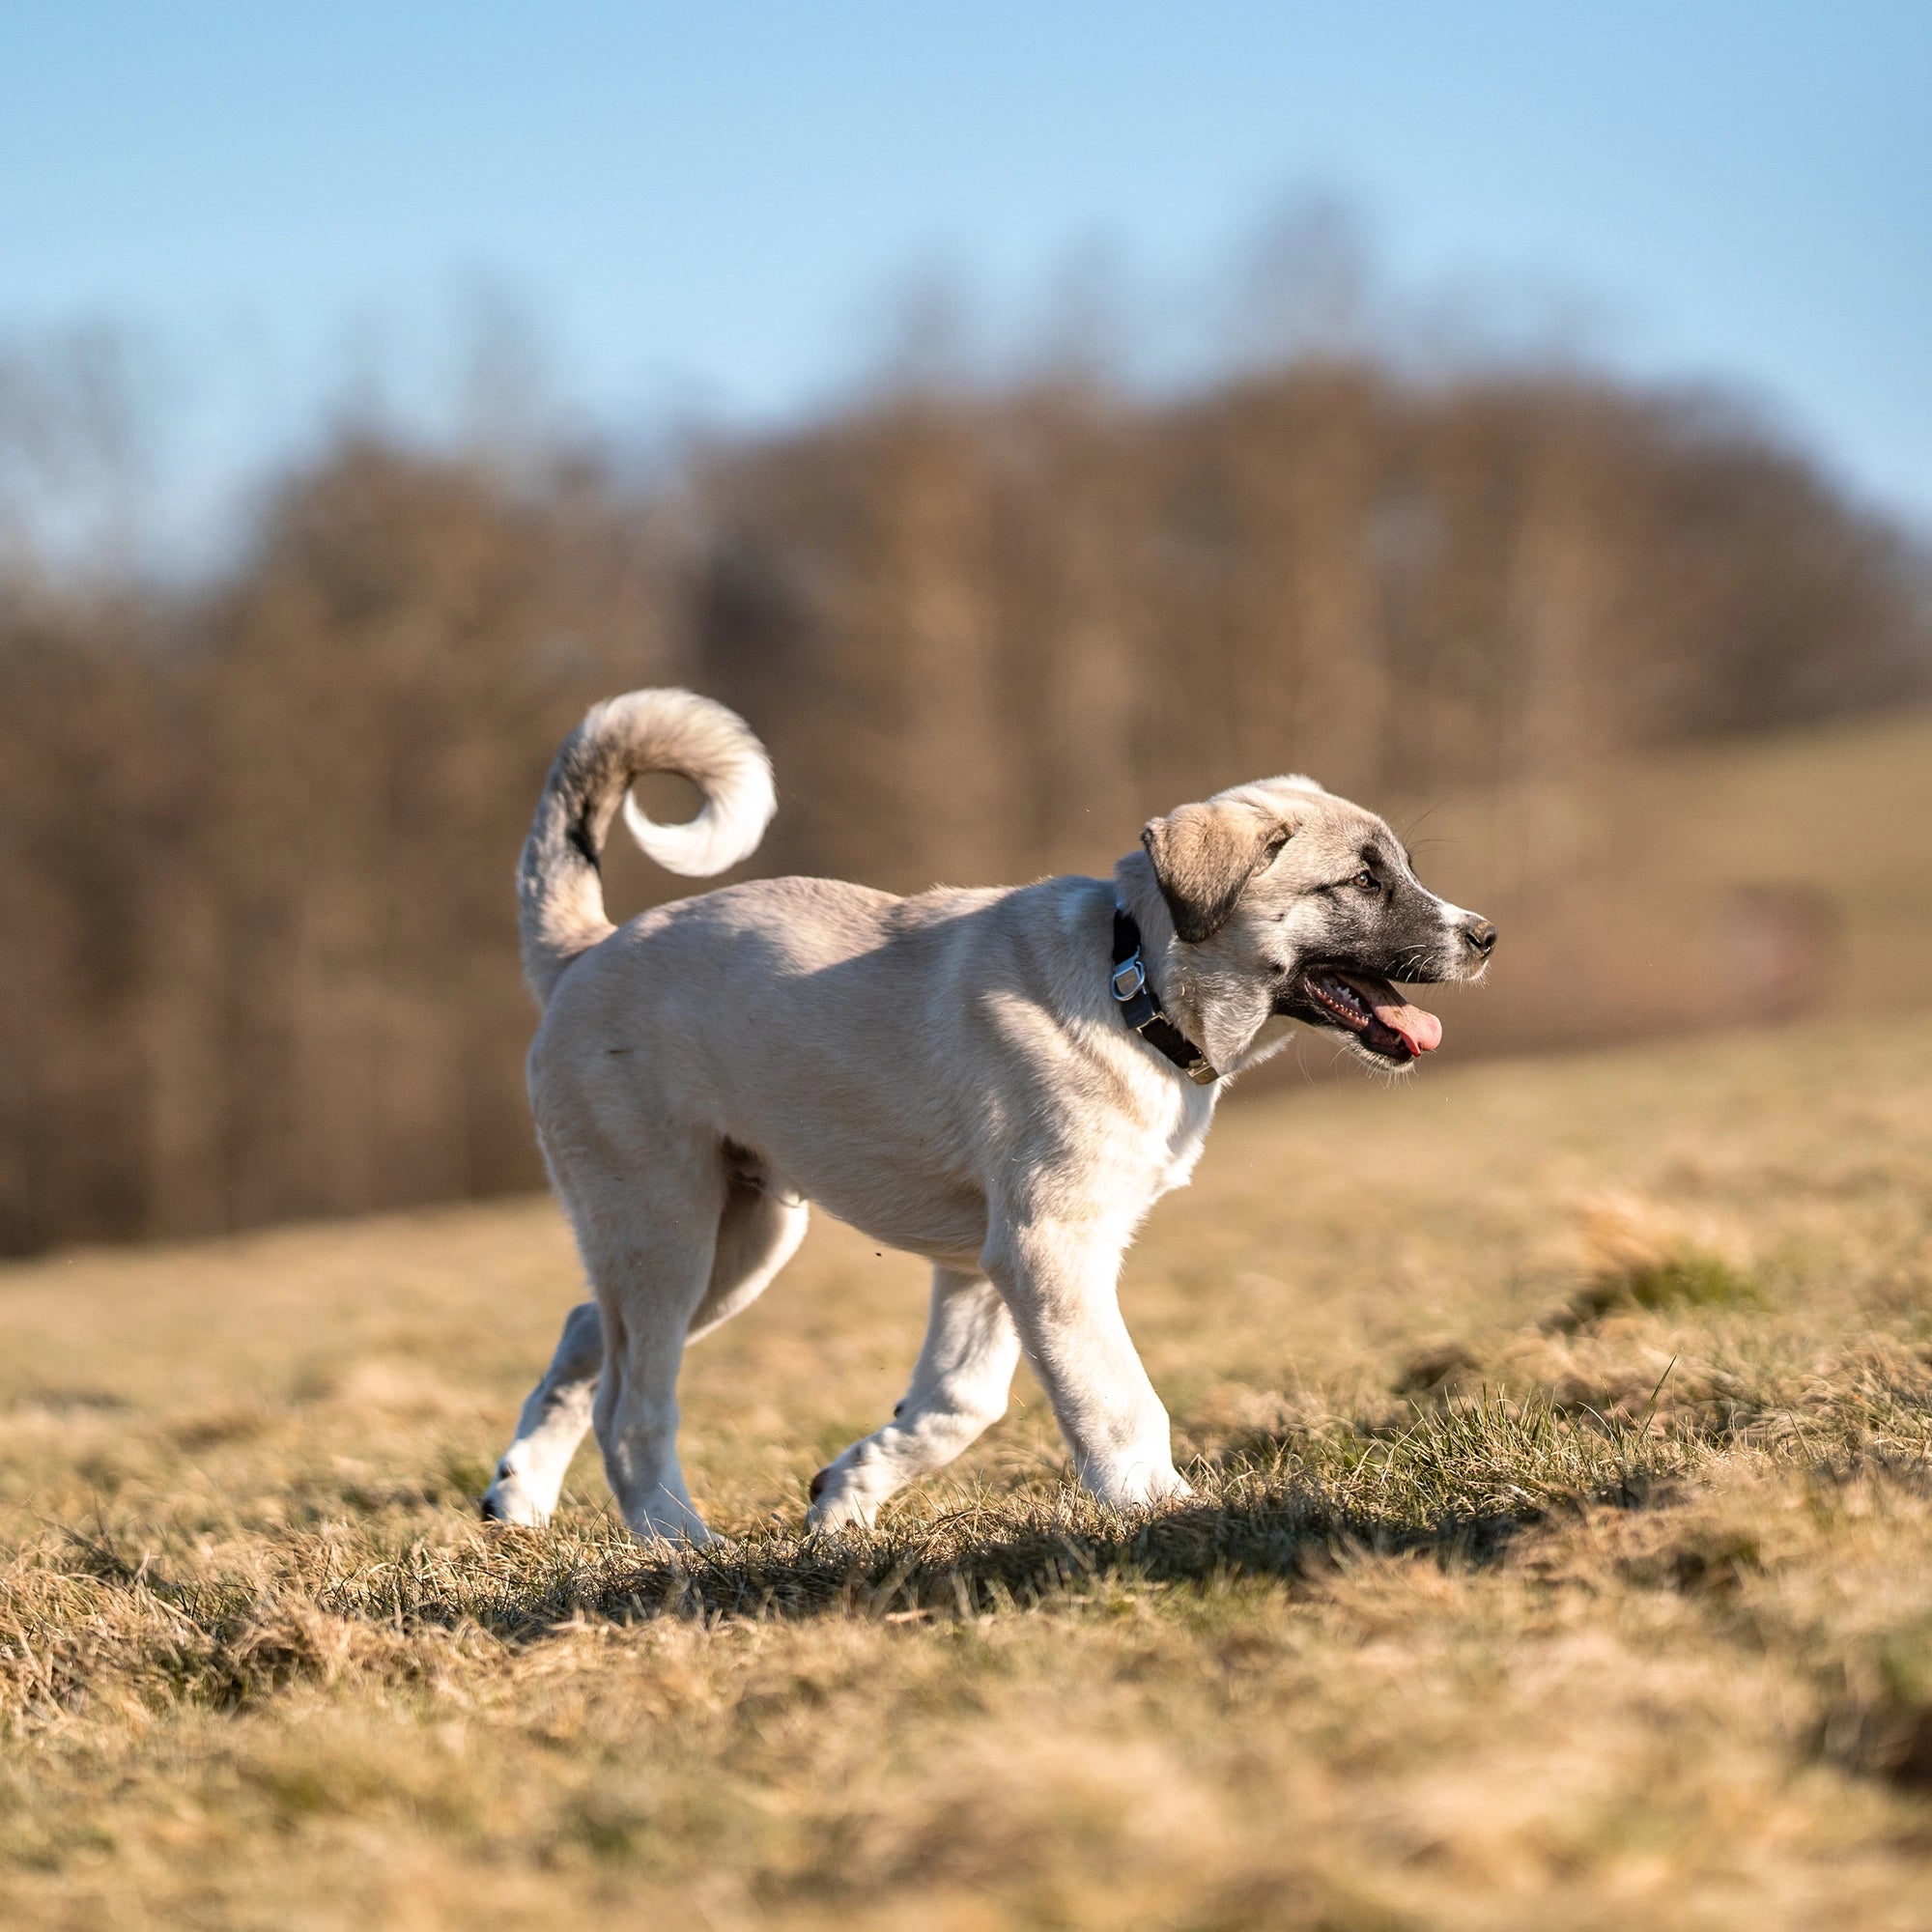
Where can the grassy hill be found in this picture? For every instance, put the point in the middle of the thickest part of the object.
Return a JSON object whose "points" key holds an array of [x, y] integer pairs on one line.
{"points": [[1563, 1557], [1717, 885]]}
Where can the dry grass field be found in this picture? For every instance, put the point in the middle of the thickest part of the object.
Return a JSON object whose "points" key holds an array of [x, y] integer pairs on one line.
{"points": [[1563, 1557]]}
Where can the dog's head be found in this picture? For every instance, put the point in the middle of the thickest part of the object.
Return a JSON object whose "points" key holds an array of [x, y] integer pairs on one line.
{"points": [[1285, 892]]}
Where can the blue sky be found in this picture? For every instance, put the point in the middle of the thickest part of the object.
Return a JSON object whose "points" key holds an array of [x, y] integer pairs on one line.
{"points": [[705, 205]]}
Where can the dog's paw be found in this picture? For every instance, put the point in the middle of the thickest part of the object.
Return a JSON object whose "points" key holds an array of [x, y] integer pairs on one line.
{"points": [[669, 1521], [507, 1503], [840, 1499], [1143, 1485]]}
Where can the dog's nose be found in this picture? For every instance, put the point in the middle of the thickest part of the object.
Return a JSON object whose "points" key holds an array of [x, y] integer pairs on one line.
{"points": [[1481, 936]]}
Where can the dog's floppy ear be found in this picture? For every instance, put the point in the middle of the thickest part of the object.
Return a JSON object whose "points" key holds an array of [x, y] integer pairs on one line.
{"points": [[1205, 854]]}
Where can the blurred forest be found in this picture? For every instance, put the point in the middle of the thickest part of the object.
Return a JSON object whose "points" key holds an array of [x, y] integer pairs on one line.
{"points": [[257, 837]]}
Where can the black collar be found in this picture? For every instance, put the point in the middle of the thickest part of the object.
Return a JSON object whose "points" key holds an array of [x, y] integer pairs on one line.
{"points": [[1141, 1009]]}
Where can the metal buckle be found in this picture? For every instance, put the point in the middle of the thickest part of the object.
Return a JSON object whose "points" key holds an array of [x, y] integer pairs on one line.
{"points": [[1134, 967]]}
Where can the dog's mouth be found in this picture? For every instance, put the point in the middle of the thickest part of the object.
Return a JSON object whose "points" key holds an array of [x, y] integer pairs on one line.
{"points": [[1368, 1007]]}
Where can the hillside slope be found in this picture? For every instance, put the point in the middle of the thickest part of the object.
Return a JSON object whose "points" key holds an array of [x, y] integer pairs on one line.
{"points": [[1563, 1555], [1722, 885]]}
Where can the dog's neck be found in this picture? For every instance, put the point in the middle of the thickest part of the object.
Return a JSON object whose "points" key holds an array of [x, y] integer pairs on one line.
{"points": [[1220, 1012]]}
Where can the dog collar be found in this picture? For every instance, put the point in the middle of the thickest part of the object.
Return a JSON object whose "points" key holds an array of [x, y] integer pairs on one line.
{"points": [[1141, 1009]]}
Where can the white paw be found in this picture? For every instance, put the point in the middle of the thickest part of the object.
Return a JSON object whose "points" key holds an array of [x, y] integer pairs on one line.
{"points": [[1140, 1485], [838, 1498], [507, 1501], [665, 1516]]}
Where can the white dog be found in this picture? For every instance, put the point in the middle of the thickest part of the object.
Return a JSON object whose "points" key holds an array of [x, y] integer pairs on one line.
{"points": [[1000, 1081]]}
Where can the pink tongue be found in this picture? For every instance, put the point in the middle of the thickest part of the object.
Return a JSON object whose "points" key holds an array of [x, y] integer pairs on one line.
{"points": [[1422, 1031]]}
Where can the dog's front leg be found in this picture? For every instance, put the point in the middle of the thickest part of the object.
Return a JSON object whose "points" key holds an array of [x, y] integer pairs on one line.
{"points": [[1060, 1279]]}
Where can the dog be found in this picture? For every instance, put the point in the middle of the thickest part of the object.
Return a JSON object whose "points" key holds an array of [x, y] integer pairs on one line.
{"points": [[1002, 1081]]}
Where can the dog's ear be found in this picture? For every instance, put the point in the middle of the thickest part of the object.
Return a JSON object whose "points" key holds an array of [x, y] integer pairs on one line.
{"points": [[1203, 855]]}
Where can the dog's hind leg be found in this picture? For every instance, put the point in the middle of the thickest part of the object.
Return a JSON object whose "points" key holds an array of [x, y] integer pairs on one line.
{"points": [[960, 1388], [552, 1423], [757, 1233], [649, 1236]]}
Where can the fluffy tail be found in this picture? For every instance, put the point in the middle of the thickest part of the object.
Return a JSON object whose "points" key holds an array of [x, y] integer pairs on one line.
{"points": [[559, 891]]}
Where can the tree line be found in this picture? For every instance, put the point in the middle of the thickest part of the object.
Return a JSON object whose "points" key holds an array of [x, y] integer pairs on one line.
{"points": [[256, 839]]}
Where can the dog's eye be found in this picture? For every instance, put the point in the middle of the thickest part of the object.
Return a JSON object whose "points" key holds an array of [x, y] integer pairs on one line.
{"points": [[1366, 880]]}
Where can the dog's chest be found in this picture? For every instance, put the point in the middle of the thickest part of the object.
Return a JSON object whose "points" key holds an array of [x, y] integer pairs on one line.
{"points": [[1177, 1147]]}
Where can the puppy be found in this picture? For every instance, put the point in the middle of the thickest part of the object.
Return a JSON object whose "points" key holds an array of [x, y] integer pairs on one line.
{"points": [[1000, 1081]]}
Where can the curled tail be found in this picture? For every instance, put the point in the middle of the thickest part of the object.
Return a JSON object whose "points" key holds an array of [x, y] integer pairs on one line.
{"points": [[559, 891]]}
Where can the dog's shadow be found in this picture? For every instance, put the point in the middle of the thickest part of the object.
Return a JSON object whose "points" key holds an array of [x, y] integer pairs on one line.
{"points": [[1026, 1551]]}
